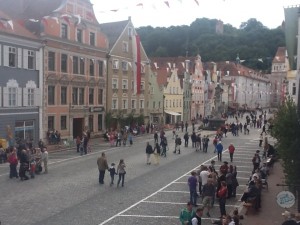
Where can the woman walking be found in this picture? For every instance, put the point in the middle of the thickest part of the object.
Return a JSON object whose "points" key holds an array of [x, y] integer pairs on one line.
{"points": [[231, 150], [222, 194], [121, 171]]}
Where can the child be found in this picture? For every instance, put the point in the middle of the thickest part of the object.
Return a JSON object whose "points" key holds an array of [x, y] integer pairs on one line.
{"points": [[32, 167], [112, 171]]}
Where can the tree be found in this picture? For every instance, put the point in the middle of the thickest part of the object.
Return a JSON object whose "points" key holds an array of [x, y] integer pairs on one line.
{"points": [[108, 120], [287, 133]]}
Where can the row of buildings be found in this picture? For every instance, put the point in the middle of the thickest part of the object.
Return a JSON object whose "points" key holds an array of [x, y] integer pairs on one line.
{"points": [[65, 71]]}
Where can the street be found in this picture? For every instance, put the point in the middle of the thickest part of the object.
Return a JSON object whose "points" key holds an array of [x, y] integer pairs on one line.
{"points": [[153, 194]]}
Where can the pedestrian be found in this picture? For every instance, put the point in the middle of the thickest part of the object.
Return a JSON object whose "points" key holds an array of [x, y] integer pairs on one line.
{"points": [[119, 138], [192, 183], [205, 143], [102, 166], [231, 150], [219, 149], [45, 159], [85, 143], [186, 139], [24, 165], [125, 138], [197, 218], [204, 177], [13, 163], [112, 172], [187, 214], [164, 144], [193, 138], [155, 137], [177, 144], [215, 142], [186, 126], [260, 140], [149, 151], [208, 193], [130, 138], [256, 161], [78, 141], [235, 183], [157, 153], [222, 194], [121, 171], [198, 142]]}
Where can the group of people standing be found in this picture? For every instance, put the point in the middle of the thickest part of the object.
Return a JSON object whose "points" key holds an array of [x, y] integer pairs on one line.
{"points": [[103, 166]]}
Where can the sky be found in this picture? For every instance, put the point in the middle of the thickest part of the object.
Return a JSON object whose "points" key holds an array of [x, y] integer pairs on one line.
{"points": [[166, 13]]}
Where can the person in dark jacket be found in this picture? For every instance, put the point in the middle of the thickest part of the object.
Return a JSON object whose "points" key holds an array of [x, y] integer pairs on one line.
{"points": [[149, 151], [24, 165]]}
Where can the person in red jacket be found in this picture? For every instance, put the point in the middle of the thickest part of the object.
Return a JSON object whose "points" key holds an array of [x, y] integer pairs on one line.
{"points": [[222, 194], [231, 150], [13, 162]]}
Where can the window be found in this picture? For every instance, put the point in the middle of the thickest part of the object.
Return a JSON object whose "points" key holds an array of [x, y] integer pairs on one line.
{"points": [[114, 104], [124, 66], [294, 89], [152, 90], [51, 61], [143, 68], [12, 57], [82, 66], [133, 104], [92, 39], [81, 96], [63, 95], [124, 84], [63, 122], [75, 96], [24, 130], [130, 31], [64, 31], [79, 35], [75, 64], [100, 68], [50, 122], [132, 85], [143, 85], [125, 46], [100, 96], [159, 104], [64, 63], [153, 104], [166, 103], [91, 123], [115, 64], [91, 96], [92, 67], [12, 96], [30, 96], [142, 102], [30, 60], [125, 104], [114, 83], [51, 95], [100, 122]]}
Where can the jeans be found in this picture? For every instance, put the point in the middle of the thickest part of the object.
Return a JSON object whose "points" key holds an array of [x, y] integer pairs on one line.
{"points": [[193, 196], [121, 177], [222, 202], [13, 171], [112, 178], [231, 156], [101, 176], [220, 156]]}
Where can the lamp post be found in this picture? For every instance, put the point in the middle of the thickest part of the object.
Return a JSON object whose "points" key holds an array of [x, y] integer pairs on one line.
{"points": [[163, 112]]}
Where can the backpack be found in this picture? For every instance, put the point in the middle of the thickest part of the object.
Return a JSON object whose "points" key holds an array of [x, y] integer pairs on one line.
{"points": [[179, 141]]}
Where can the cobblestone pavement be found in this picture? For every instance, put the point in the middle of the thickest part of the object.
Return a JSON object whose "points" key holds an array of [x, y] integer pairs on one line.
{"points": [[70, 193]]}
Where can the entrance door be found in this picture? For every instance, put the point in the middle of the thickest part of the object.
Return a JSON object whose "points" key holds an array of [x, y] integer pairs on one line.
{"points": [[78, 125]]}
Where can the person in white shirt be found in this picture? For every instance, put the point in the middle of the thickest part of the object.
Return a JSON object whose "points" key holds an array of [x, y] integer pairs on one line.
{"points": [[204, 176], [45, 159], [197, 218]]}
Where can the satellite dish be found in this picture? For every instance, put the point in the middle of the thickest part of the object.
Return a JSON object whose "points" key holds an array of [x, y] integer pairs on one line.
{"points": [[30, 9]]}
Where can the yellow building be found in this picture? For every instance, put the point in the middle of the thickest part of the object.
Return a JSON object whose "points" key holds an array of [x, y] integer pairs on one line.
{"points": [[173, 93]]}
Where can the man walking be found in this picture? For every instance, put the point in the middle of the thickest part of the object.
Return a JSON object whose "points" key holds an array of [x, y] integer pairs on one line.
{"points": [[231, 150], [102, 166], [219, 149], [208, 193], [177, 144], [149, 151]]}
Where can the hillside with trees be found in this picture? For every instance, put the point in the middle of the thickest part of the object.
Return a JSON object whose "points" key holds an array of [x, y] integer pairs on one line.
{"points": [[253, 42]]}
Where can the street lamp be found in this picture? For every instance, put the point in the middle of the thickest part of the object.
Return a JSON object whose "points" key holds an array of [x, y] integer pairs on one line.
{"points": [[163, 113]]}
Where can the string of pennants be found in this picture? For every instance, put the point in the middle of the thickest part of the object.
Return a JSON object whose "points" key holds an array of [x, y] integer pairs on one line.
{"points": [[154, 6]]}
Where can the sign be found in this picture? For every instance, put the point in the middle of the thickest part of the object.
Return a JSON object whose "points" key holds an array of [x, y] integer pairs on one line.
{"points": [[97, 109], [285, 199]]}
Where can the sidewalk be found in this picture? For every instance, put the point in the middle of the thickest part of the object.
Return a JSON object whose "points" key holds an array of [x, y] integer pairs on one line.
{"points": [[270, 212]]}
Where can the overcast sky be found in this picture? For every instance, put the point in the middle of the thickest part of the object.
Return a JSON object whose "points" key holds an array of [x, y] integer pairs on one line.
{"points": [[157, 13]]}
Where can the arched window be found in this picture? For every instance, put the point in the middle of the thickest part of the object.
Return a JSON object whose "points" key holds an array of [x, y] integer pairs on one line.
{"points": [[12, 94]]}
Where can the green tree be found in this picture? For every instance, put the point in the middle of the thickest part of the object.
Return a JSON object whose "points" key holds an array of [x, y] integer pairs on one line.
{"points": [[287, 133], [108, 119]]}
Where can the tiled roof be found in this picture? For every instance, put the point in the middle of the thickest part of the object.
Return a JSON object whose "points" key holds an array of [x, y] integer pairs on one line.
{"points": [[113, 30], [280, 55], [17, 29]]}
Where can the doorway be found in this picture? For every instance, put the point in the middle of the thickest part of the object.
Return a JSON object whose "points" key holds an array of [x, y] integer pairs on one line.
{"points": [[78, 125]]}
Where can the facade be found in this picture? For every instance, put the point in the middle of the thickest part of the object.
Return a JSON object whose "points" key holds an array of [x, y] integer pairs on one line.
{"points": [[128, 71], [74, 71], [291, 88], [20, 83]]}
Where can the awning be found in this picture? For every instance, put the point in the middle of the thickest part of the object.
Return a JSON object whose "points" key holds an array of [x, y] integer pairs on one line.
{"points": [[172, 113]]}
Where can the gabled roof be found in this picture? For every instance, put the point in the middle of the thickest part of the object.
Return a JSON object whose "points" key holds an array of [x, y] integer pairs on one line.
{"points": [[16, 29], [280, 55], [113, 30]]}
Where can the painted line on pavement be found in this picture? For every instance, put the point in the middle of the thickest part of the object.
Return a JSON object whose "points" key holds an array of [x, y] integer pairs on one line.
{"points": [[179, 203], [169, 217]]}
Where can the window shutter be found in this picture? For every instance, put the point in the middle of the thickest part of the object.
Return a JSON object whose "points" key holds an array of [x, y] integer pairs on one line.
{"points": [[37, 60], [19, 58], [19, 97], [37, 97], [5, 55], [25, 58], [25, 96], [5, 97]]}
